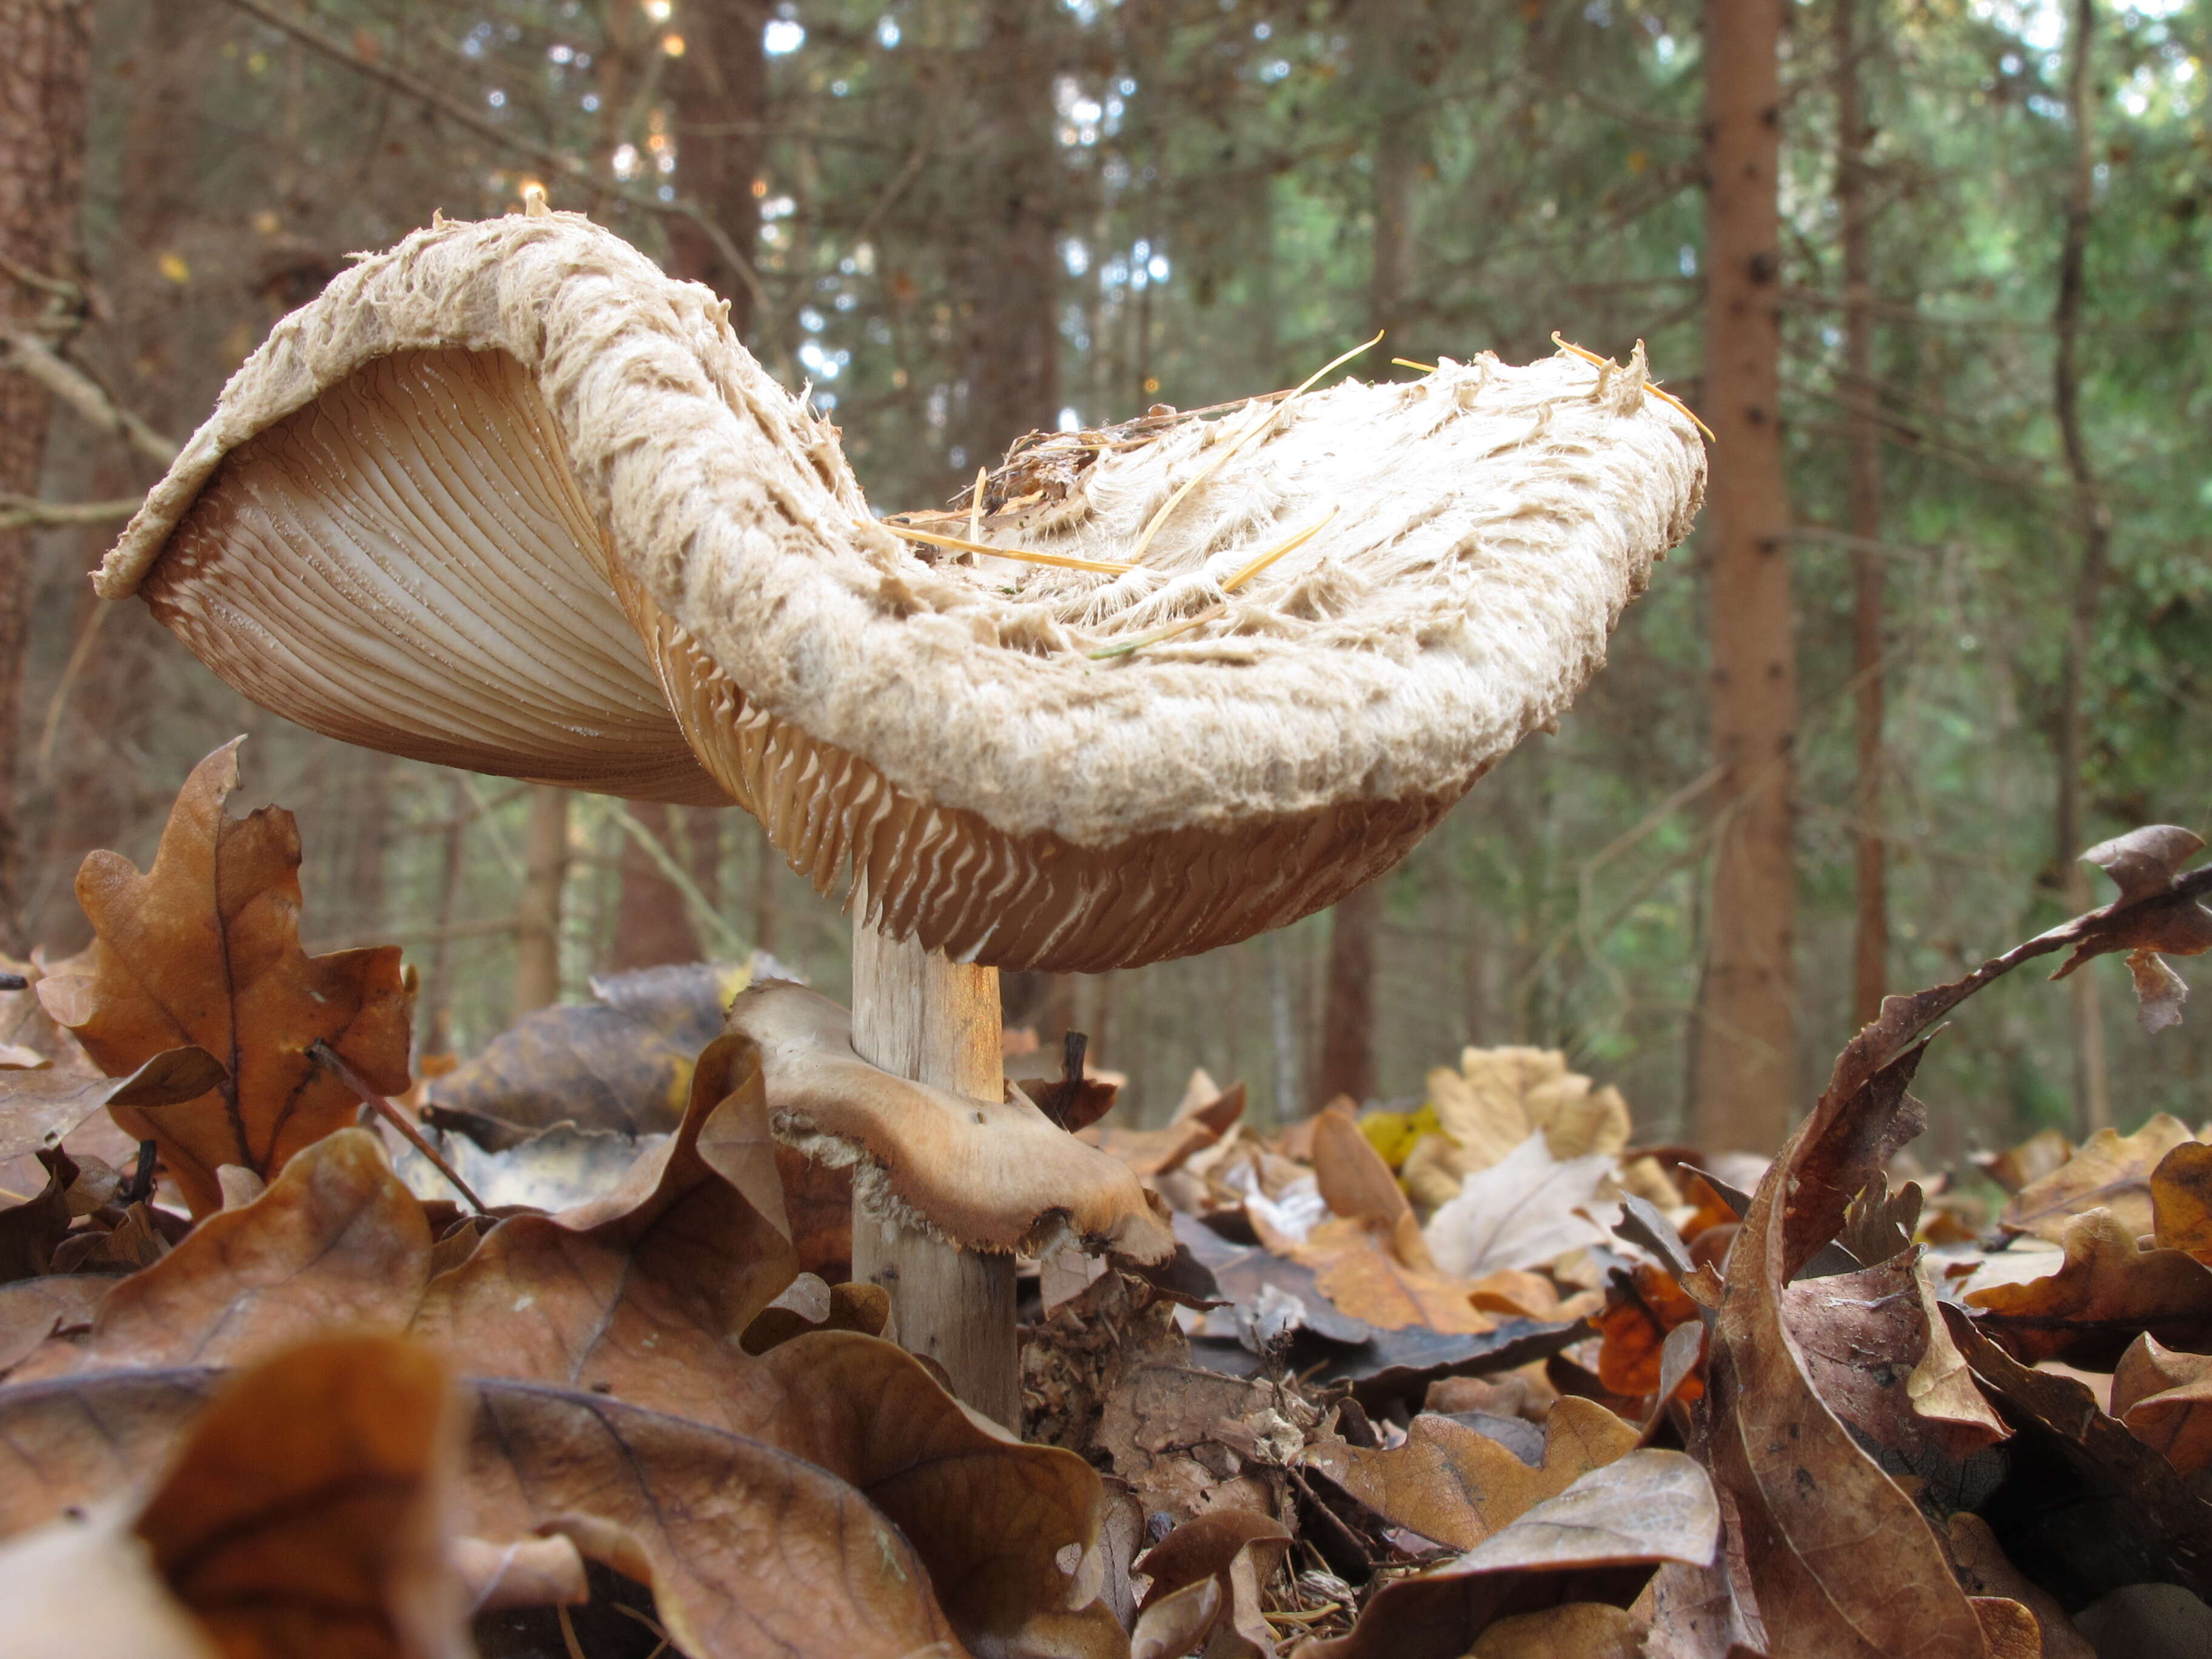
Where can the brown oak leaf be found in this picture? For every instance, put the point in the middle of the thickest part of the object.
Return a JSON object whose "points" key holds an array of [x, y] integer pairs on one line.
{"points": [[204, 950]]}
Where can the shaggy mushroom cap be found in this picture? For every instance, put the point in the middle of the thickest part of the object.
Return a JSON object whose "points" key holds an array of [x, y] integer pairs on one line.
{"points": [[988, 1176], [508, 497]]}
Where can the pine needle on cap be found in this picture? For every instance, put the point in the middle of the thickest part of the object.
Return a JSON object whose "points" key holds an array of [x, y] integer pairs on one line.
{"points": [[1407, 363], [976, 504], [1590, 357], [1291, 545], [1126, 647], [1252, 430], [1061, 561]]}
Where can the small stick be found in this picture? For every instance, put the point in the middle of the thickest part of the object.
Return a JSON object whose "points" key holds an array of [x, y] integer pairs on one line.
{"points": [[1252, 430], [324, 1054], [1276, 552], [1065, 561], [1651, 386]]}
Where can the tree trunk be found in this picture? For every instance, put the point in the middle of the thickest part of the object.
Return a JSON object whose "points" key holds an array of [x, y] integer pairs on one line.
{"points": [[2093, 523], [653, 923], [437, 1025], [719, 89], [1747, 1031], [1870, 940], [46, 51], [1006, 265], [1347, 1038], [538, 922], [1347, 1026]]}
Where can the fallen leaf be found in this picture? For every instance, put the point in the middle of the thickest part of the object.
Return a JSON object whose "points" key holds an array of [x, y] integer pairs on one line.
{"points": [[2181, 1200], [1641, 1307], [2164, 1397], [31, 1309], [1863, 1338], [1573, 1630], [1356, 1269], [2086, 1507], [619, 1063], [204, 950], [305, 1513], [849, 1307], [39, 1109], [27, 1029], [1523, 1212], [1841, 1560], [2111, 1170], [1984, 1569], [2041, 1154], [2106, 1291], [554, 1168], [1171, 1626], [1457, 1485], [1236, 1550], [1600, 1540], [30, 1231]]}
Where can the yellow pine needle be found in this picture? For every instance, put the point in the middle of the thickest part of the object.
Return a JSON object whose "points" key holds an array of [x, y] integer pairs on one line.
{"points": [[1061, 561], [1251, 431], [1407, 363], [1664, 397], [1126, 647], [975, 506], [1290, 545]]}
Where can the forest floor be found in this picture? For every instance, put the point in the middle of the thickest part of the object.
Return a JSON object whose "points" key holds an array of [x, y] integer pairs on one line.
{"points": [[551, 1351]]}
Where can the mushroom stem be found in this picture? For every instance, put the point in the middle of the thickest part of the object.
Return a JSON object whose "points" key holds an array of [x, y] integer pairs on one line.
{"points": [[919, 1015]]}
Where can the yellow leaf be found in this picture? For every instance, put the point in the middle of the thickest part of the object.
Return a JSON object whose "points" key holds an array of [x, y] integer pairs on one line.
{"points": [[172, 265]]}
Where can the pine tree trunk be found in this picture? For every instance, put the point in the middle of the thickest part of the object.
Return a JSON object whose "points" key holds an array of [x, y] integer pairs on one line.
{"points": [[653, 921], [1005, 268], [537, 923], [1347, 1025], [1871, 938], [46, 51], [1746, 1029], [719, 89], [2093, 523]]}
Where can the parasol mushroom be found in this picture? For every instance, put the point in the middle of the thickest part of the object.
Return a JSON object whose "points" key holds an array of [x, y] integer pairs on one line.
{"points": [[506, 497]]}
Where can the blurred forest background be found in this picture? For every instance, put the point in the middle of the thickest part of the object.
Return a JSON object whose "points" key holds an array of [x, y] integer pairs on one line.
{"points": [[962, 219]]}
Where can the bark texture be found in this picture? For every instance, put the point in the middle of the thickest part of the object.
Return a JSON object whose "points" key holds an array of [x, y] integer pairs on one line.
{"points": [[1870, 931], [45, 67], [1006, 267], [719, 89], [2092, 524], [1747, 1028]]}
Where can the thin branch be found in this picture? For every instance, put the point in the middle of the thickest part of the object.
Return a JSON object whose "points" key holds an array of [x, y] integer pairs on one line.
{"points": [[567, 166], [30, 356], [22, 511], [323, 1055]]}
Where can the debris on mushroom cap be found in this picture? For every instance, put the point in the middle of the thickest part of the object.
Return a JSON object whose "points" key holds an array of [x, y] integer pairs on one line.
{"points": [[993, 1175], [508, 497]]}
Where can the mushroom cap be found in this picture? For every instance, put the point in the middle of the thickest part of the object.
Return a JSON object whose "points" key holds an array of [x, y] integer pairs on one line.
{"points": [[994, 1176], [508, 497]]}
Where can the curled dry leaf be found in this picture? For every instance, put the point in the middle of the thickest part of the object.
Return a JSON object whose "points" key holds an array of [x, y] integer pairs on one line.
{"points": [[1171, 1626], [306, 1512], [2085, 1508], [1841, 1560], [1598, 1540], [1573, 1630], [2181, 1200], [2111, 1170], [621, 1062], [1458, 1485], [2164, 1398], [1526, 1211], [204, 950], [1355, 1267], [32, 1309], [39, 1108], [2106, 1291], [641, 1296], [1237, 1551]]}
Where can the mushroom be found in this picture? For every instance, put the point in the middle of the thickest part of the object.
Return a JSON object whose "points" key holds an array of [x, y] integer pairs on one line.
{"points": [[506, 497]]}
